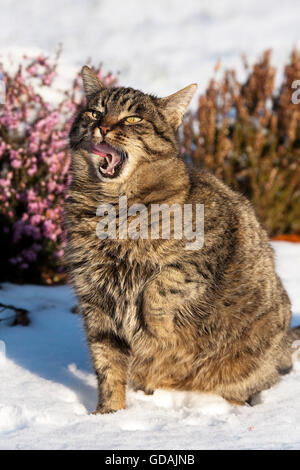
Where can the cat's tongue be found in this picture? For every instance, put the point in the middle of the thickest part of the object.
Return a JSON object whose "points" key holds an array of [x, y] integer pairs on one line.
{"points": [[111, 155]]}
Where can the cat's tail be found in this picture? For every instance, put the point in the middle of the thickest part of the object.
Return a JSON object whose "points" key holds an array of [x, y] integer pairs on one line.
{"points": [[290, 353], [294, 334], [294, 337]]}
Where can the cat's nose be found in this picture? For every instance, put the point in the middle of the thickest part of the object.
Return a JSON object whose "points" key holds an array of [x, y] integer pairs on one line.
{"points": [[104, 130]]}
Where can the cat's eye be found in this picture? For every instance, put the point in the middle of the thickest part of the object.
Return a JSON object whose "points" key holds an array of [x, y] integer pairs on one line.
{"points": [[93, 113], [132, 119]]}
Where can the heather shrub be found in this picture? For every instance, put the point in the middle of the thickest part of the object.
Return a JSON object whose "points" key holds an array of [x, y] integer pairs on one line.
{"points": [[34, 164], [248, 135]]}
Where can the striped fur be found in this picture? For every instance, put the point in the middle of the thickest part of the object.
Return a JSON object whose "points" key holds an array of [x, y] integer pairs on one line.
{"points": [[156, 315]]}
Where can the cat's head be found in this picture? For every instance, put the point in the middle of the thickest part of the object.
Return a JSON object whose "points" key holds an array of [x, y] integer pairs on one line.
{"points": [[122, 131]]}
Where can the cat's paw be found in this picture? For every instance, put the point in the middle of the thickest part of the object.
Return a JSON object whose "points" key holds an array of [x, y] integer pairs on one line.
{"points": [[148, 391], [137, 387], [103, 410]]}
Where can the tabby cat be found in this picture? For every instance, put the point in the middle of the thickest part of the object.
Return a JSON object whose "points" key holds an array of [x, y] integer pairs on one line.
{"points": [[157, 315]]}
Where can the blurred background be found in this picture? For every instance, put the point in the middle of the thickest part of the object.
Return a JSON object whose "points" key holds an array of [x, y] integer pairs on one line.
{"points": [[243, 125], [157, 46]]}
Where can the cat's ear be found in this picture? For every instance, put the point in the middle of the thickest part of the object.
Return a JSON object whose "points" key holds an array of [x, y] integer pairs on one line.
{"points": [[175, 105], [91, 82]]}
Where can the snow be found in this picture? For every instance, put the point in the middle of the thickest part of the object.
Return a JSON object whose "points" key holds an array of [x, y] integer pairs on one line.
{"points": [[158, 46], [48, 388]]}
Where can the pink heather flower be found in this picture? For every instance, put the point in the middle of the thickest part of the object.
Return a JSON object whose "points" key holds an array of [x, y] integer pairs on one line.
{"points": [[71, 106], [54, 168], [35, 219], [32, 171], [2, 148], [48, 79], [51, 185], [16, 163], [59, 253], [34, 146], [48, 228], [4, 182], [31, 195], [33, 207], [32, 70], [108, 79], [37, 136]]}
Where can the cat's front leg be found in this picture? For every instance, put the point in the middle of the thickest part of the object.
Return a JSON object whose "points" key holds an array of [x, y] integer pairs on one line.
{"points": [[110, 355]]}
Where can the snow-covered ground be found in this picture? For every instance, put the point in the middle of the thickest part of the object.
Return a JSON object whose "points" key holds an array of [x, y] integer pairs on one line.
{"points": [[48, 389], [158, 46]]}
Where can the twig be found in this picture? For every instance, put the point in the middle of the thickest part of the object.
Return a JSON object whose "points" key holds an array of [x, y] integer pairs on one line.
{"points": [[20, 318]]}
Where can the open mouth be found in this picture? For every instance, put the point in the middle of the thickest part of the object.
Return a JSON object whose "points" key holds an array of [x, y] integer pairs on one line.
{"points": [[112, 159]]}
